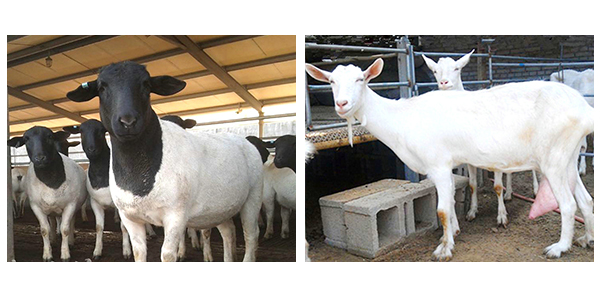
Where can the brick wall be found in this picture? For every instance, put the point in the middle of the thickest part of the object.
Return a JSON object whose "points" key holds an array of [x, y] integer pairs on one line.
{"points": [[576, 47]]}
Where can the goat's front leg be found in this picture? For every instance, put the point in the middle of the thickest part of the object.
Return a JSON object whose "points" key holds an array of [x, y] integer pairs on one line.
{"points": [[137, 235], [586, 205], [502, 214], [445, 189], [473, 185]]}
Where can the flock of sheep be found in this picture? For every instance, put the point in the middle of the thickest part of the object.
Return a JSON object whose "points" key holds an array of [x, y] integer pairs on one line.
{"points": [[155, 172]]}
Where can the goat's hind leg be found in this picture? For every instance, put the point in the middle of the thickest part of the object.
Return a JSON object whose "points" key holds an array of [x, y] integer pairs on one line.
{"points": [[502, 214], [560, 187], [473, 185], [586, 205], [445, 189]]}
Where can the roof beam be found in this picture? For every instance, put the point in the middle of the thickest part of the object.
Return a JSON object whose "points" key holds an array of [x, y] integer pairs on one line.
{"points": [[59, 49], [160, 101], [44, 47], [203, 58], [11, 38], [139, 60], [45, 105], [196, 111]]}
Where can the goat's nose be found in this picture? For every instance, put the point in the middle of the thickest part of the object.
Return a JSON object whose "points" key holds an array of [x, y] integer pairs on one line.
{"points": [[127, 121], [444, 82], [341, 103]]}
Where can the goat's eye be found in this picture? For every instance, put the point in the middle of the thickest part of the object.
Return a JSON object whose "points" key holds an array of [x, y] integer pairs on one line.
{"points": [[360, 80], [434, 72], [331, 81], [456, 69]]}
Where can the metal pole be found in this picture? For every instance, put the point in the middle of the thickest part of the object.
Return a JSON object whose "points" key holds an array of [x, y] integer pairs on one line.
{"points": [[353, 48], [560, 65], [307, 103]]}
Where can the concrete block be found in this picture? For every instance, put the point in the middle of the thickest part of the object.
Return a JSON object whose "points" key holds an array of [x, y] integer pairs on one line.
{"points": [[371, 219]]}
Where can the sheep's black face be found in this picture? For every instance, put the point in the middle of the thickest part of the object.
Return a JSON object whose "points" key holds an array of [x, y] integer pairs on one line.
{"points": [[285, 152], [40, 143], [124, 89], [93, 138]]}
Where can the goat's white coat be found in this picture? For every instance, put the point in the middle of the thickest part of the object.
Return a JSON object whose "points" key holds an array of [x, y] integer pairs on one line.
{"points": [[203, 181], [447, 74], [513, 127], [584, 83], [64, 201]]}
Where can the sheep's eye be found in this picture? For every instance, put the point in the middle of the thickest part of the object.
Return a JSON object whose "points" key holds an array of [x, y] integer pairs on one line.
{"points": [[101, 87]]}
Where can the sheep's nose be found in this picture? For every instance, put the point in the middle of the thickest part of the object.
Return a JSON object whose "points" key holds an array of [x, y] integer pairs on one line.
{"points": [[39, 158], [19, 177], [127, 121], [341, 103]]}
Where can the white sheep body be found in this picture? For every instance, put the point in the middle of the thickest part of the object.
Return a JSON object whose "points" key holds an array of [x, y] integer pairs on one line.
{"points": [[62, 202], [280, 185]]}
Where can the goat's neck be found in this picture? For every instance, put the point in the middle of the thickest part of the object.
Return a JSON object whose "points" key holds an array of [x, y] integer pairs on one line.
{"points": [[377, 113]]}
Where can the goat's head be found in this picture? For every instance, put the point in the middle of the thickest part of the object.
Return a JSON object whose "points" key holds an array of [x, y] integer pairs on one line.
{"points": [[93, 137], [124, 89], [40, 142], [447, 71], [348, 84]]}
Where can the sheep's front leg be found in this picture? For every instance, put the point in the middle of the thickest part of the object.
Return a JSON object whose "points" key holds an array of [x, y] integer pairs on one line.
{"points": [[66, 231], [194, 238], [502, 214], [174, 232], [45, 230], [227, 230], [445, 189], [206, 250], [137, 235], [269, 205], [99, 215]]}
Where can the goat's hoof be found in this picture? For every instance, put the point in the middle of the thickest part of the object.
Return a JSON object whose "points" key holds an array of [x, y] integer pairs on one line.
{"points": [[48, 259], [97, 257], [584, 242], [470, 216], [555, 250]]}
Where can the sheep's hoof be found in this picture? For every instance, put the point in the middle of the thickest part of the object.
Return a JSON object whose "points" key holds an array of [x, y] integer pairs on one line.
{"points": [[48, 259], [267, 236], [180, 259], [65, 259], [97, 257], [285, 235]]}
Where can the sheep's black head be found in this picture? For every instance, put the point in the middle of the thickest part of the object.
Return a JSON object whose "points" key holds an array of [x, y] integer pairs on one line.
{"points": [[63, 145], [40, 142], [285, 152], [124, 89], [93, 137], [187, 123]]}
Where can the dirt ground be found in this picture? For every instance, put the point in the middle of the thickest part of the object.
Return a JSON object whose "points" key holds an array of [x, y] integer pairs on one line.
{"points": [[480, 239], [29, 245]]}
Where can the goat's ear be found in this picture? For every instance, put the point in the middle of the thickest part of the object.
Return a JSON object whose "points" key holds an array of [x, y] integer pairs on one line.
{"points": [[463, 61], [75, 129], [432, 65], [318, 74], [85, 92], [373, 70], [166, 85], [16, 142], [73, 144], [61, 135], [189, 123]]}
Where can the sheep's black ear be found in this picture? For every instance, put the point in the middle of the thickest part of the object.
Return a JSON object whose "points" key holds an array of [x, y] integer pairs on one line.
{"points": [[61, 135], [16, 142], [75, 129], [258, 143], [166, 85], [85, 92], [189, 123]]}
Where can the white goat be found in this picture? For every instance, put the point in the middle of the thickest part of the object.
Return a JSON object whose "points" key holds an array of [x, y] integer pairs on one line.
{"points": [[447, 74], [18, 191], [55, 185], [513, 127], [584, 83]]}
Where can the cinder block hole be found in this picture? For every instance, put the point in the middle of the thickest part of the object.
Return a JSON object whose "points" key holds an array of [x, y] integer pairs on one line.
{"points": [[388, 226], [423, 208]]}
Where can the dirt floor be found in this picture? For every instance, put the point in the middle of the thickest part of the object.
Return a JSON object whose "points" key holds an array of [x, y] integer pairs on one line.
{"points": [[479, 240], [29, 245]]}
